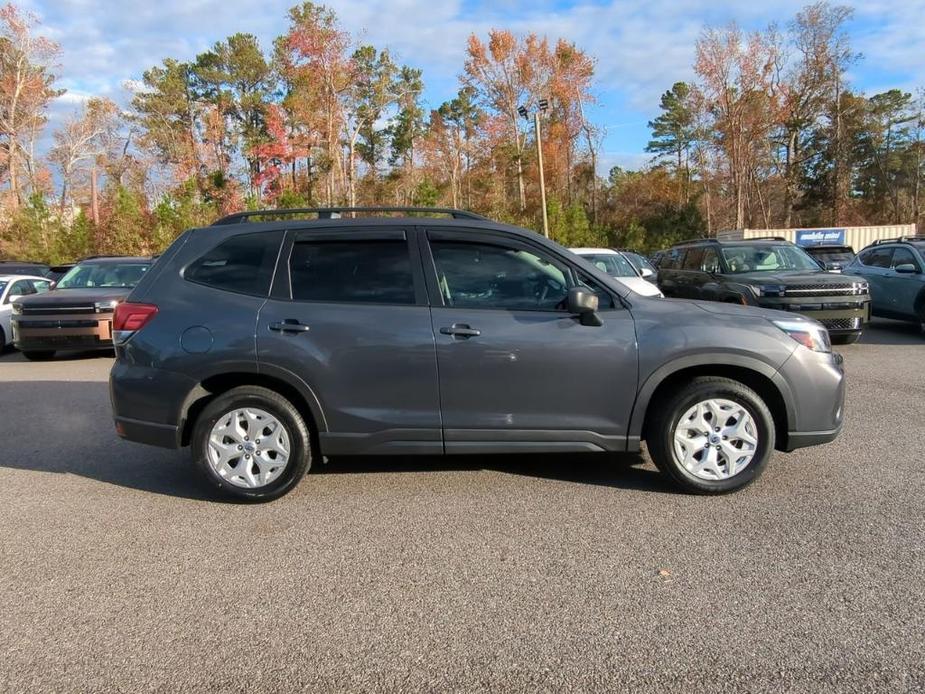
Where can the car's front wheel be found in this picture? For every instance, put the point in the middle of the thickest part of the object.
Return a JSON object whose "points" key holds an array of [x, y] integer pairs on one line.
{"points": [[251, 443], [712, 435]]}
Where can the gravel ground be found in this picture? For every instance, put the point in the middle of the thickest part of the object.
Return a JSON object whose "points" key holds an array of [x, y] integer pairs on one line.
{"points": [[566, 573]]}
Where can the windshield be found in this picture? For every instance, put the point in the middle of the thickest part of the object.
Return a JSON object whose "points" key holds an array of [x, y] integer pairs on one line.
{"points": [[88, 275], [767, 259], [614, 264]]}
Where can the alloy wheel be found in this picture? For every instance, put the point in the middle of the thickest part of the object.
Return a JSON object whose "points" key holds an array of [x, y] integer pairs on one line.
{"points": [[248, 447], [715, 439]]}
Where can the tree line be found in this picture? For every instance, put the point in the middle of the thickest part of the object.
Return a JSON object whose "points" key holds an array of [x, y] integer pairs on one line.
{"points": [[769, 134]]}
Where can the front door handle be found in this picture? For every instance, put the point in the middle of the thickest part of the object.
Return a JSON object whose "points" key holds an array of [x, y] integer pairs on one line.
{"points": [[290, 325], [460, 330]]}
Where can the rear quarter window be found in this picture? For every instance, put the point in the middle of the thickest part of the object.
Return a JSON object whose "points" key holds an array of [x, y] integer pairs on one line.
{"points": [[242, 264]]}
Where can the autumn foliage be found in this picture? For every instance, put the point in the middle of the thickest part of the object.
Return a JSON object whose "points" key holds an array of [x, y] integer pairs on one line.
{"points": [[769, 134]]}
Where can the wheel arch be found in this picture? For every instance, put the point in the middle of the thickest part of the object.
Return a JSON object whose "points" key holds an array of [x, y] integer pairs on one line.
{"points": [[757, 375], [301, 396]]}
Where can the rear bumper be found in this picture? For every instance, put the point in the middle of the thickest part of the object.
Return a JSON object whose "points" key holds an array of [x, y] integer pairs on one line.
{"points": [[151, 433]]}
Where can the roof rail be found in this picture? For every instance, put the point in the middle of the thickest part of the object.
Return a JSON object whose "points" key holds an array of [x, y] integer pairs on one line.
{"points": [[767, 238], [687, 242], [899, 239], [336, 212]]}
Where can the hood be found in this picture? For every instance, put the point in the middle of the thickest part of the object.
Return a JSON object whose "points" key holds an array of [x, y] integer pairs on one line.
{"points": [[739, 311], [75, 297]]}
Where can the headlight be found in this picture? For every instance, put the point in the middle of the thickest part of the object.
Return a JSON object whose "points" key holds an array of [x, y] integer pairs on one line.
{"points": [[102, 306], [811, 335], [17, 309], [767, 289]]}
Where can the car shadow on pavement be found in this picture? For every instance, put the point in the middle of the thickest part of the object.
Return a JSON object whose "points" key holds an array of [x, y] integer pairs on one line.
{"points": [[66, 427], [617, 470], [881, 331], [13, 355]]}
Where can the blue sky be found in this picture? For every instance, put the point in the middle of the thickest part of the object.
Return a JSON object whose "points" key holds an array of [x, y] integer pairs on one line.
{"points": [[641, 46]]}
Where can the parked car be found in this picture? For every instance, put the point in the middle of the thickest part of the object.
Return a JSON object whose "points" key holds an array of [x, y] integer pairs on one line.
{"points": [[77, 314], [267, 345], [645, 269], [13, 288], [24, 267], [56, 272], [617, 265], [832, 258], [770, 272], [896, 271]]}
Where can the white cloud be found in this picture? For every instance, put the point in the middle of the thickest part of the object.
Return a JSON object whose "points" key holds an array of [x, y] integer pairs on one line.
{"points": [[641, 46]]}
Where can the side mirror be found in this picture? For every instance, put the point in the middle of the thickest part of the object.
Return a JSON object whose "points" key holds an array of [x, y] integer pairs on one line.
{"points": [[906, 269], [583, 303], [646, 273], [13, 297]]}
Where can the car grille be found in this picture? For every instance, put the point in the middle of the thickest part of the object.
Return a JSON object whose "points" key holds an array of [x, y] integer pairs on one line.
{"points": [[841, 323], [823, 289], [70, 340], [40, 310], [63, 324]]}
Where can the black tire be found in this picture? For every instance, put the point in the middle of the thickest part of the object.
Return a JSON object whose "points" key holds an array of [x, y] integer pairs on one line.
{"points": [[849, 339], [661, 428], [38, 355], [300, 451]]}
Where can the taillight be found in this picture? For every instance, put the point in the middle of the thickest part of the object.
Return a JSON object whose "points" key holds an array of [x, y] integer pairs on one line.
{"points": [[130, 318]]}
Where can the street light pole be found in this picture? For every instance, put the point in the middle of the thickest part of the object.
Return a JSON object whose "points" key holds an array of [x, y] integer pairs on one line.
{"points": [[539, 159]]}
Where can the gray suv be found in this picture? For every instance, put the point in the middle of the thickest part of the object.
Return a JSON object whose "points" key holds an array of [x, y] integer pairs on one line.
{"points": [[268, 341]]}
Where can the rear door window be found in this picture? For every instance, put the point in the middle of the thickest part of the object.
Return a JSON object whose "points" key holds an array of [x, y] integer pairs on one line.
{"points": [[672, 259], [877, 257], [363, 271], [242, 264], [693, 260]]}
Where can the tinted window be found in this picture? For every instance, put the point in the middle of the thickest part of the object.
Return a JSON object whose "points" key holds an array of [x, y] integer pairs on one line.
{"points": [[710, 261], [694, 259], [474, 275], [877, 257], [672, 259], [604, 298], [376, 272], [241, 264], [903, 256]]}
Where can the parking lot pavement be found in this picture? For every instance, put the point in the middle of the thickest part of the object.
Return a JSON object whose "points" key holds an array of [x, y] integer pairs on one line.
{"points": [[564, 573]]}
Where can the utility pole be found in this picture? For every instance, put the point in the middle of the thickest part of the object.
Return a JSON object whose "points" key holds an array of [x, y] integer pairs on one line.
{"points": [[94, 198], [522, 110], [539, 159]]}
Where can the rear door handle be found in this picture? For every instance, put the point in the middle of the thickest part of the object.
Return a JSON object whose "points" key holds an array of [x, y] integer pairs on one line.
{"points": [[290, 325], [460, 330]]}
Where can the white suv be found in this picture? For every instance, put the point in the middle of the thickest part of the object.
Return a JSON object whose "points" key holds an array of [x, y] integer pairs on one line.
{"points": [[13, 287]]}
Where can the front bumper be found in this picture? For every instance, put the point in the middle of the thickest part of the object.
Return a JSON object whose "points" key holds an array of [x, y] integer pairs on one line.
{"points": [[79, 331], [817, 384], [841, 315]]}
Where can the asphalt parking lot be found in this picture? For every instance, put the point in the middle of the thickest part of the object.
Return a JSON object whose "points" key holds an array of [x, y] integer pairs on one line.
{"points": [[567, 573]]}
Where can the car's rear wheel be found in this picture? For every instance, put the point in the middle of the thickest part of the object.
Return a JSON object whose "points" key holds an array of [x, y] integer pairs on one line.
{"points": [[38, 355], [712, 435], [251, 443]]}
